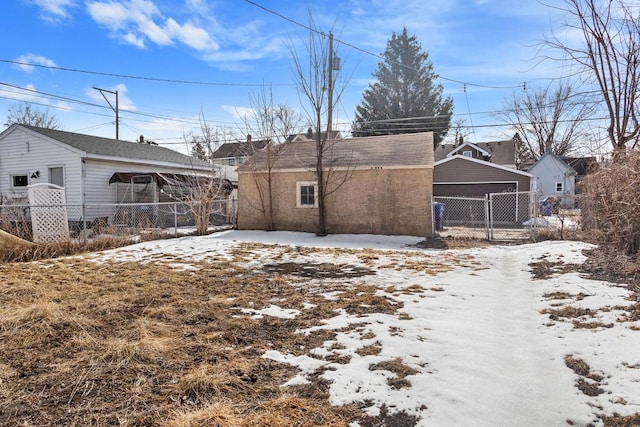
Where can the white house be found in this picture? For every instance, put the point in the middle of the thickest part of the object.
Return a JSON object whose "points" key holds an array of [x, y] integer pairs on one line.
{"points": [[554, 177], [83, 164]]}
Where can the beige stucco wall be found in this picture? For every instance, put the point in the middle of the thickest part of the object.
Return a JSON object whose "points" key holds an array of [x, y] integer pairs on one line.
{"points": [[391, 201]]}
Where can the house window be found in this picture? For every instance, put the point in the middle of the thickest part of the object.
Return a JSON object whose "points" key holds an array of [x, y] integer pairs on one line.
{"points": [[56, 176], [307, 195], [467, 153], [19, 181], [559, 187], [232, 162]]}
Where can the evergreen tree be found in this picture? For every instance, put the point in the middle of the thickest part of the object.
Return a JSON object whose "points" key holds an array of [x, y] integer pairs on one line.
{"points": [[405, 98], [198, 150]]}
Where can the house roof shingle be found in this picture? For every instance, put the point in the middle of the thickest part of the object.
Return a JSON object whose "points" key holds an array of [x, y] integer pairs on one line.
{"points": [[99, 146], [581, 165], [502, 152], [405, 150], [239, 149]]}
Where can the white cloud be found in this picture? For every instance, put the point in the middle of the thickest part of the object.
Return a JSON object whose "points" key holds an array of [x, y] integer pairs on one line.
{"points": [[140, 21], [31, 58], [191, 35], [54, 10], [240, 113], [112, 15], [23, 94], [65, 106], [29, 94]]}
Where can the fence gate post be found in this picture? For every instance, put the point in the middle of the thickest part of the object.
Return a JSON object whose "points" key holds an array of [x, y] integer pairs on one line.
{"points": [[84, 223], [175, 220], [488, 215]]}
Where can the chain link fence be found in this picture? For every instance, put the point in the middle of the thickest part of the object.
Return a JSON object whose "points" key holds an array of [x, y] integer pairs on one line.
{"points": [[124, 219], [509, 216]]}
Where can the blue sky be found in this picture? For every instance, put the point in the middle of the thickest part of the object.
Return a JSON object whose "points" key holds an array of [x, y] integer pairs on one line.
{"points": [[213, 56]]}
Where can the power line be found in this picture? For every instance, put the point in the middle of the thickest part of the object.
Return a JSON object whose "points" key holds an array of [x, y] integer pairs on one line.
{"points": [[155, 79], [193, 121], [367, 52], [51, 96]]}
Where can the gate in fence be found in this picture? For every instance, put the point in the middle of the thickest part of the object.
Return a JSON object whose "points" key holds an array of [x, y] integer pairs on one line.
{"points": [[498, 216]]}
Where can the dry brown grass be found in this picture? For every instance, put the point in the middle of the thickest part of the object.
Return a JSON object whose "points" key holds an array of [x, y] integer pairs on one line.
{"points": [[35, 252], [399, 368], [120, 343], [588, 382]]}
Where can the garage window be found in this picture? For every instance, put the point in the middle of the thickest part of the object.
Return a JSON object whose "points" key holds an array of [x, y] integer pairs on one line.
{"points": [[306, 194]]}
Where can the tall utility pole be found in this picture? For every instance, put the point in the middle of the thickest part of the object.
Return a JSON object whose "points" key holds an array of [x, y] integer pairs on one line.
{"points": [[115, 110], [333, 65], [330, 94]]}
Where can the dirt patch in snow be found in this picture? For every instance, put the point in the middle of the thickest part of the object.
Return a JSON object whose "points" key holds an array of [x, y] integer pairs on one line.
{"points": [[318, 270]]}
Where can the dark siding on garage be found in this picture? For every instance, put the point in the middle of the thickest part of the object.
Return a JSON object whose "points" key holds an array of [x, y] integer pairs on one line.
{"points": [[475, 179]]}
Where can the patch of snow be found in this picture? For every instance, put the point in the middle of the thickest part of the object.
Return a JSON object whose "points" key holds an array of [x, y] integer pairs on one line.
{"points": [[483, 352], [272, 310]]}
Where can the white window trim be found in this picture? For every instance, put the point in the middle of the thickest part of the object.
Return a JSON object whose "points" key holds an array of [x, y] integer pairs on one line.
{"points": [[315, 193], [467, 153], [12, 175], [561, 185]]}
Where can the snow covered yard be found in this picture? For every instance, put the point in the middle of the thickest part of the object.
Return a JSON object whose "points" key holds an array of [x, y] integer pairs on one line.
{"points": [[500, 335], [254, 328]]}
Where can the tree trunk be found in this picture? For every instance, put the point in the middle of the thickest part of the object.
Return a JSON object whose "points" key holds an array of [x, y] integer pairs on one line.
{"points": [[322, 222]]}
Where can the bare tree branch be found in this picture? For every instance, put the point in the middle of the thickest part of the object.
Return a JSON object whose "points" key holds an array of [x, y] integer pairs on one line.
{"points": [[609, 55]]}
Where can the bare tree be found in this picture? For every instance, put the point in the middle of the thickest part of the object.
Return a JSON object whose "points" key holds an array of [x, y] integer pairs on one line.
{"points": [[273, 124], [206, 189], [610, 56], [314, 74], [26, 114], [549, 119]]}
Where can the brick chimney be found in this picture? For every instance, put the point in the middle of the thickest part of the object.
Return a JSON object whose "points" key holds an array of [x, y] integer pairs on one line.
{"points": [[141, 140]]}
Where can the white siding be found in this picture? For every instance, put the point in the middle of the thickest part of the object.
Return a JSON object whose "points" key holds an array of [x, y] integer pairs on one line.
{"points": [[97, 174], [24, 153], [86, 180], [550, 170]]}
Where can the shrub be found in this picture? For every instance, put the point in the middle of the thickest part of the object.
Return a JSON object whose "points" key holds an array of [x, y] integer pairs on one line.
{"points": [[612, 211]]}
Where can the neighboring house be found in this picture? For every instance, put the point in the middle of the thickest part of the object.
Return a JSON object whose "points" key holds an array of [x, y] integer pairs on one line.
{"points": [[386, 186], [88, 167], [582, 166], [554, 177], [498, 152], [235, 153], [310, 136]]}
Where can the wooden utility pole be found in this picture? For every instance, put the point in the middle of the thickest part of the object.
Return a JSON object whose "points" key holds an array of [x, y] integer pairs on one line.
{"points": [[330, 87], [116, 109]]}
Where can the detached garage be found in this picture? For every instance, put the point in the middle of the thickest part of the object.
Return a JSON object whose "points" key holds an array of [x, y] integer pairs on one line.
{"points": [[463, 185], [468, 177]]}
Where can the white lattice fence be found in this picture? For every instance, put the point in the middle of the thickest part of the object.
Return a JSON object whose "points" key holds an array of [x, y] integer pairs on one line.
{"points": [[48, 213]]}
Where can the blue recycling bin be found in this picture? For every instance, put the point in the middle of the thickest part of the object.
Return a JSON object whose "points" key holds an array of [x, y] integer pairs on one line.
{"points": [[438, 215]]}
